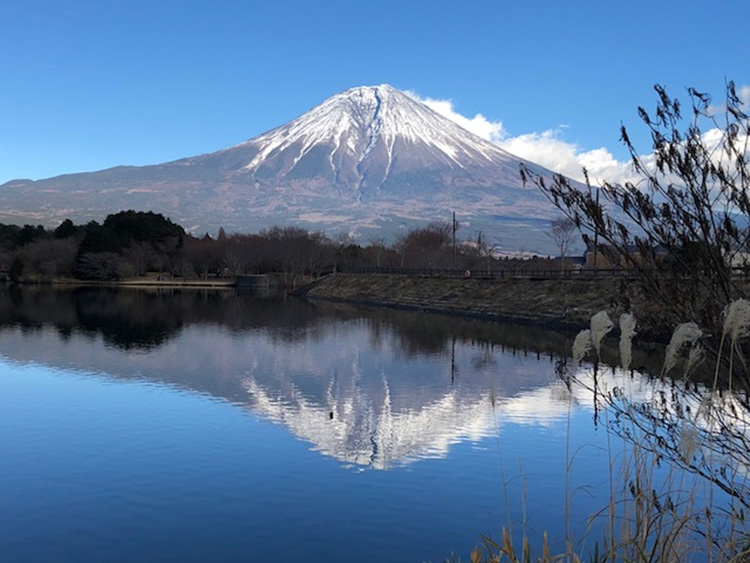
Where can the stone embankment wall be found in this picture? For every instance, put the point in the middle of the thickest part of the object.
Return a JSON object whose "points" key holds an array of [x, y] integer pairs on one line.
{"points": [[567, 302]]}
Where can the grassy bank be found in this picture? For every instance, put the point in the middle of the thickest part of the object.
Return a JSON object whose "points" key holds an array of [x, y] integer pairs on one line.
{"points": [[566, 303]]}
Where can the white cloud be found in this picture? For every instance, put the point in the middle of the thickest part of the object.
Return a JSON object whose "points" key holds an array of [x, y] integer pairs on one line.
{"points": [[551, 150], [479, 124], [548, 148]]}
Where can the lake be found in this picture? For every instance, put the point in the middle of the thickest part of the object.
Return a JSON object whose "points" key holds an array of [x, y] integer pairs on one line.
{"points": [[209, 425]]}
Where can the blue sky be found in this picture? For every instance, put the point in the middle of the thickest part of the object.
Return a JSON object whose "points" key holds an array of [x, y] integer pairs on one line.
{"points": [[87, 85]]}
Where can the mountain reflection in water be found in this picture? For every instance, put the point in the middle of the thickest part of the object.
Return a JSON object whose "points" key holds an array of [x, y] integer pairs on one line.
{"points": [[136, 424], [369, 388]]}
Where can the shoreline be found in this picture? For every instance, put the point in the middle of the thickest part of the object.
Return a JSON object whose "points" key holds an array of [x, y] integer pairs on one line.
{"points": [[566, 304], [559, 304], [137, 283], [542, 322]]}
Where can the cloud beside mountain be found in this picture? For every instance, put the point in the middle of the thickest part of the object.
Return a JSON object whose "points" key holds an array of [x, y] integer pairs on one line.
{"points": [[548, 148]]}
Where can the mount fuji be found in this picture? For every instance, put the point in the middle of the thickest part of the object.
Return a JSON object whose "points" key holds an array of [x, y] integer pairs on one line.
{"points": [[367, 162]]}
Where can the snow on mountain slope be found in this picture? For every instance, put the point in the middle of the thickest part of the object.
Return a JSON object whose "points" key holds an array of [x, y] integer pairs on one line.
{"points": [[355, 122], [370, 137], [369, 160]]}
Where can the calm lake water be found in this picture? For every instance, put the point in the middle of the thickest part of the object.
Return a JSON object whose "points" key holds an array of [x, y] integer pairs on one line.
{"points": [[195, 426]]}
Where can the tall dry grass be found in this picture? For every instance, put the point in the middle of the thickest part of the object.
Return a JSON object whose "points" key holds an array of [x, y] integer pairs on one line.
{"points": [[679, 470]]}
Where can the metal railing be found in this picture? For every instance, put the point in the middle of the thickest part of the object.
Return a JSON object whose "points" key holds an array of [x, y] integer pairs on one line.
{"points": [[499, 273], [525, 273]]}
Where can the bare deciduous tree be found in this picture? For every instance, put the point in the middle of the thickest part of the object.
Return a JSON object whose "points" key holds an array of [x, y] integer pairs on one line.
{"points": [[562, 231], [426, 247], [686, 214]]}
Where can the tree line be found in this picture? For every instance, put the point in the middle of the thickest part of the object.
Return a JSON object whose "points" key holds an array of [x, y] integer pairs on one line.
{"points": [[131, 244]]}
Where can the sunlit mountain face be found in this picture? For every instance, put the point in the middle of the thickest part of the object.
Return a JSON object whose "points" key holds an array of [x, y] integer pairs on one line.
{"points": [[369, 160]]}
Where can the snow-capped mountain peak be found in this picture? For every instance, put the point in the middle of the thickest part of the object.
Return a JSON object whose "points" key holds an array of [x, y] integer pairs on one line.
{"points": [[360, 130]]}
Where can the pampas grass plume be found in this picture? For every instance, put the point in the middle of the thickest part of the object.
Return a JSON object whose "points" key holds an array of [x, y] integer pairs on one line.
{"points": [[627, 332], [689, 442], [694, 358], [736, 326], [601, 324], [581, 345], [737, 319], [685, 333]]}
